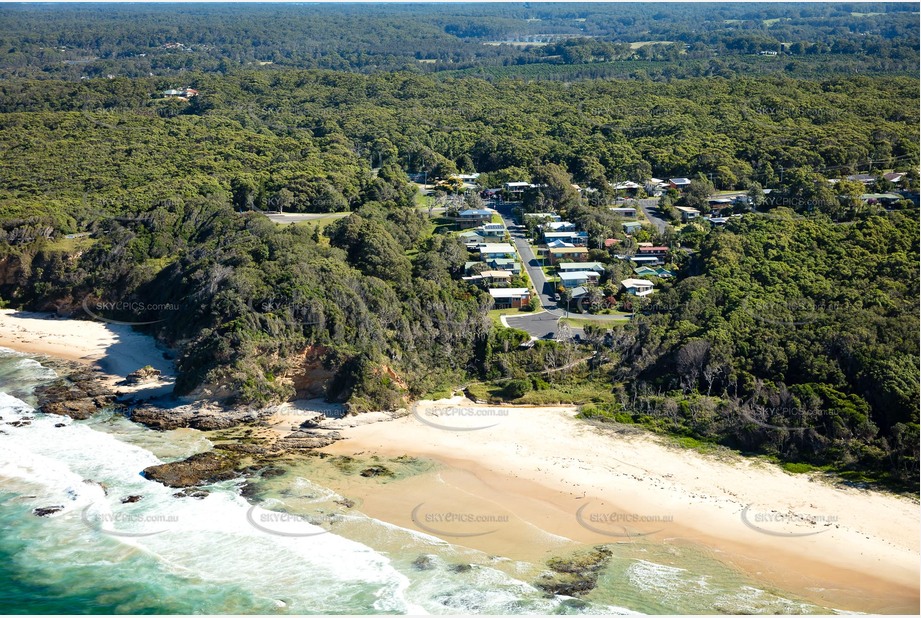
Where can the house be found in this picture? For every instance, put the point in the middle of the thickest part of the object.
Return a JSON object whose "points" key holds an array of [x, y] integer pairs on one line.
{"points": [[659, 251], [578, 278], [468, 181], [632, 227], [679, 183], [658, 271], [559, 243], [559, 254], [628, 185], [866, 179], [688, 213], [598, 267], [886, 199], [495, 277], [625, 211], [515, 190], [541, 216], [510, 298], [560, 226], [473, 217], [894, 177], [611, 242], [717, 220], [655, 186], [471, 238], [637, 287], [577, 238], [510, 264], [643, 260], [185, 93], [491, 230], [495, 250]]}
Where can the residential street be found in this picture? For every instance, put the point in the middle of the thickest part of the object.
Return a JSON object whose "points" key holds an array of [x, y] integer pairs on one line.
{"points": [[541, 324]]}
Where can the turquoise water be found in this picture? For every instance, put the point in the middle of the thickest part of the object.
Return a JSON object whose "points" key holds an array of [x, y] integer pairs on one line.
{"points": [[169, 555]]}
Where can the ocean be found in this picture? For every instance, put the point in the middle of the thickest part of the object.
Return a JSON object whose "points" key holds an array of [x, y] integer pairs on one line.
{"points": [[291, 553]]}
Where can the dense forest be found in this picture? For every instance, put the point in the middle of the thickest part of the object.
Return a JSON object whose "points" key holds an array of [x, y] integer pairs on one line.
{"points": [[667, 40], [790, 332]]}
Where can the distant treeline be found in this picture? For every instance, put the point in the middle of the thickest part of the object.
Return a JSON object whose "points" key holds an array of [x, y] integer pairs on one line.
{"points": [[138, 40]]}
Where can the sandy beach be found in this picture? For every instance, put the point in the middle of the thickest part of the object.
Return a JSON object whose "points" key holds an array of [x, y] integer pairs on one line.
{"points": [[537, 477], [115, 350]]}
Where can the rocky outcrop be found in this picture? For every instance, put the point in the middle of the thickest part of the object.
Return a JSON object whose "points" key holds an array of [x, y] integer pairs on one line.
{"points": [[79, 395], [199, 469], [197, 416], [576, 575], [144, 375]]}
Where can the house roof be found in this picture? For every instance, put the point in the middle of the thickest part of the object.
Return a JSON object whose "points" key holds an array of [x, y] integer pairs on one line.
{"points": [[579, 291], [496, 247], [556, 244], [565, 234], [568, 250], [657, 249], [475, 212], [579, 275], [636, 283], [687, 209], [597, 266], [623, 209], [509, 292], [610, 242], [517, 185], [625, 185], [893, 176], [496, 274], [680, 181]]}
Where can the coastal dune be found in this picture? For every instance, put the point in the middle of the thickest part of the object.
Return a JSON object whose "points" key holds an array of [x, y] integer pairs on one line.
{"points": [[527, 480]]}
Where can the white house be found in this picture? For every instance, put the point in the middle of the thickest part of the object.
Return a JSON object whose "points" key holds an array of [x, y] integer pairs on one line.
{"points": [[578, 278], [637, 287]]}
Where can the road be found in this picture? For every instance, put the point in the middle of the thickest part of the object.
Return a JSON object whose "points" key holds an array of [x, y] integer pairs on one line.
{"points": [[296, 217], [545, 322], [650, 208]]}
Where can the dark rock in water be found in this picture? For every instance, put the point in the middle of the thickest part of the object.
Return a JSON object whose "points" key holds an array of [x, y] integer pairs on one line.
{"points": [[78, 395], [250, 491], [198, 469], [160, 418], [460, 568], [141, 376], [131, 499], [576, 575], [423, 563], [346, 503], [105, 489], [45, 511], [376, 471], [77, 409], [272, 472], [19, 423], [60, 424], [198, 494]]}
